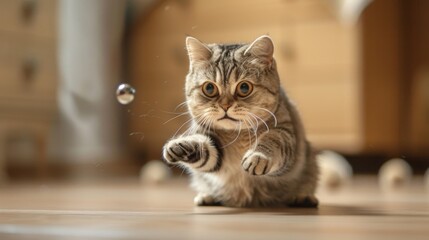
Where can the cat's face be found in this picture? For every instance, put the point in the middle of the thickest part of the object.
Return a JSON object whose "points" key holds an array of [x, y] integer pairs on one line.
{"points": [[232, 86]]}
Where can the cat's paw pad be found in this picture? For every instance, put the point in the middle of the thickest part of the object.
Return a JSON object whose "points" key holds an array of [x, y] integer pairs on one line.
{"points": [[256, 163], [182, 150], [304, 202], [205, 200]]}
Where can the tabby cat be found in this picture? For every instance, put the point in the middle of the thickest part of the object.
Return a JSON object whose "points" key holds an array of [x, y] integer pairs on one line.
{"points": [[246, 146]]}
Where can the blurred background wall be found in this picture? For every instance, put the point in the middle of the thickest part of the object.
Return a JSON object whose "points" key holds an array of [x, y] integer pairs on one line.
{"points": [[361, 81]]}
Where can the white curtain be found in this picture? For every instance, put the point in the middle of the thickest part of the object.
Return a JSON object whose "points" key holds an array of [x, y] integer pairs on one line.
{"points": [[89, 58]]}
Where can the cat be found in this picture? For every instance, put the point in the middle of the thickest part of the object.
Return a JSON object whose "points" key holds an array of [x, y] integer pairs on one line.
{"points": [[246, 146]]}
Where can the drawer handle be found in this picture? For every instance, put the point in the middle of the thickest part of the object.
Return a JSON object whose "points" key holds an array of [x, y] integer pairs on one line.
{"points": [[29, 69], [28, 9]]}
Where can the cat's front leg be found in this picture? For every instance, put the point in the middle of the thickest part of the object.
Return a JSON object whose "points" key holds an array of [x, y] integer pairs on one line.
{"points": [[198, 152], [274, 151]]}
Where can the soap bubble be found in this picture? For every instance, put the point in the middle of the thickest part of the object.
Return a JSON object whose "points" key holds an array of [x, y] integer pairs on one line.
{"points": [[125, 93]]}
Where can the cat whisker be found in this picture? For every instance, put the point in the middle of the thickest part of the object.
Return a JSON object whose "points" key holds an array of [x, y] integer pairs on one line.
{"points": [[171, 119], [184, 125], [265, 123], [194, 126], [181, 127], [271, 113], [204, 124], [180, 105], [254, 128], [209, 125], [235, 139], [202, 121]]}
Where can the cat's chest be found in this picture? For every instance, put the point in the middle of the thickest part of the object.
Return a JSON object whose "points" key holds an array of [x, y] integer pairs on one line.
{"points": [[232, 158], [233, 149]]}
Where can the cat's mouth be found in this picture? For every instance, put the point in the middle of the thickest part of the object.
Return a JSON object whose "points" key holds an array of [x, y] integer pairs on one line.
{"points": [[226, 117]]}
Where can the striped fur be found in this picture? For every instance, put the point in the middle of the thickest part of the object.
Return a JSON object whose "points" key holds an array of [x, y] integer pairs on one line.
{"points": [[243, 151]]}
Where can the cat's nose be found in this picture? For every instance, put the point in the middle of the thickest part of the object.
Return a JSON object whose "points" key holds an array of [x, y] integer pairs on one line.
{"points": [[225, 106]]}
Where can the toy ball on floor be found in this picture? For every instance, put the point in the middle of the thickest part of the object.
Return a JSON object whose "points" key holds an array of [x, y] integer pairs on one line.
{"points": [[155, 172], [394, 174], [335, 170]]}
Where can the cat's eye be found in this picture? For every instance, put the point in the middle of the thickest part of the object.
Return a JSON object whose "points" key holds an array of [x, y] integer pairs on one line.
{"points": [[244, 89], [210, 89]]}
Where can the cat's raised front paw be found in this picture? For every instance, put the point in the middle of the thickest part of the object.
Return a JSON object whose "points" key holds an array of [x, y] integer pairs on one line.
{"points": [[196, 152], [256, 163], [182, 150]]}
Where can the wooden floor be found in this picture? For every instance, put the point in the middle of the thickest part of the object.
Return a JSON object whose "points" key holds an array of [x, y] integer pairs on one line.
{"points": [[126, 209]]}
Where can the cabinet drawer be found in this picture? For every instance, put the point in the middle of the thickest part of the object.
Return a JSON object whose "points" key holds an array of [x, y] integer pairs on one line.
{"points": [[29, 17], [27, 70]]}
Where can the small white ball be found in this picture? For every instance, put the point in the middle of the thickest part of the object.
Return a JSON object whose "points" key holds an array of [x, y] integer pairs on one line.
{"points": [[394, 174], [155, 171], [335, 170]]}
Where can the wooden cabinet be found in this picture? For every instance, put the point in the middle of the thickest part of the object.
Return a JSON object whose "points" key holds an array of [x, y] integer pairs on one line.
{"points": [[28, 75], [416, 73], [31, 18], [322, 78]]}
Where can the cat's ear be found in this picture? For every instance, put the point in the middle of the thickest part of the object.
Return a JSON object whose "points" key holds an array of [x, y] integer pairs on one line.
{"points": [[262, 48], [198, 52]]}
